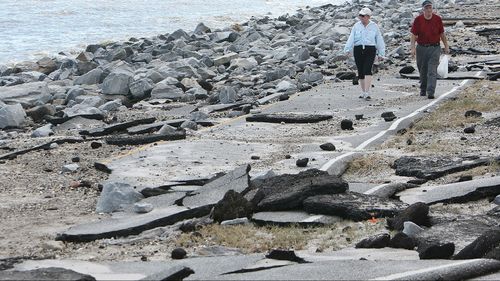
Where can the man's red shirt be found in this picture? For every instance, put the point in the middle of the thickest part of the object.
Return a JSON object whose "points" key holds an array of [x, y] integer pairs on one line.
{"points": [[427, 31]]}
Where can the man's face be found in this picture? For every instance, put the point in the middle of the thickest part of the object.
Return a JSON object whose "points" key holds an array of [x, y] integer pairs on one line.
{"points": [[428, 10]]}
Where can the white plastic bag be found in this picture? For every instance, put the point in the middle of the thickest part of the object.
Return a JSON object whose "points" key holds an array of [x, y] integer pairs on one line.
{"points": [[443, 67]]}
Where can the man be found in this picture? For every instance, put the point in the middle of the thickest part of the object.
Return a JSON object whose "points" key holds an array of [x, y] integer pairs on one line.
{"points": [[427, 30]]}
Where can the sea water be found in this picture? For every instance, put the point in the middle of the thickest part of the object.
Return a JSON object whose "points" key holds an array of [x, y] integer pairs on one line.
{"points": [[31, 29]]}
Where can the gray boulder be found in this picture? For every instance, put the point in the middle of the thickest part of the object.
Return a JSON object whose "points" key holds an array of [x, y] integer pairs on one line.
{"points": [[12, 116], [38, 113], [201, 29], [29, 94], [46, 65], [227, 95], [165, 91], [111, 105], [141, 88], [92, 77], [43, 131], [117, 83], [81, 109], [225, 59]]}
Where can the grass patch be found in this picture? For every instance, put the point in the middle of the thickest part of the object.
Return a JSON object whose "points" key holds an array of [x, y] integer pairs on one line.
{"points": [[482, 97], [369, 165], [441, 131], [250, 238]]}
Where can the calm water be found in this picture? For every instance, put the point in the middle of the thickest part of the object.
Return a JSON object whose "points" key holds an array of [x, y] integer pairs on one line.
{"points": [[30, 29]]}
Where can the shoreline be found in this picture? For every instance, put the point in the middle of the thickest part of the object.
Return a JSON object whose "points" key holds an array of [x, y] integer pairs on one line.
{"points": [[96, 35]]}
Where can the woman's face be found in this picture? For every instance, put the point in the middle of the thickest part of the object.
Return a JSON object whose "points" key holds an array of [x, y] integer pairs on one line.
{"points": [[364, 18]]}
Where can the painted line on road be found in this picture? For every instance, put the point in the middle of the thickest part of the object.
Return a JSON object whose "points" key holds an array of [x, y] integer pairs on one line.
{"points": [[376, 188], [407, 274], [393, 127]]}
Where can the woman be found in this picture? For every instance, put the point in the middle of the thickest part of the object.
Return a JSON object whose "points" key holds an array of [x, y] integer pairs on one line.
{"points": [[367, 42]]}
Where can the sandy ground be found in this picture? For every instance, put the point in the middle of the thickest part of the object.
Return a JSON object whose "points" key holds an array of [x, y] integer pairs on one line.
{"points": [[37, 200]]}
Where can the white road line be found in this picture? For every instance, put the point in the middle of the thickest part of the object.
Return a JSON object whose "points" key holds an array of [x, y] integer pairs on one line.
{"points": [[373, 189], [330, 163], [405, 275]]}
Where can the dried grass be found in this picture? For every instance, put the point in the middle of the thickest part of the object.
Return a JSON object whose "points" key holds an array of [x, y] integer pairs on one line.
{"points": [[250, 238], [451, 114], [369, 165], [440, 131]]}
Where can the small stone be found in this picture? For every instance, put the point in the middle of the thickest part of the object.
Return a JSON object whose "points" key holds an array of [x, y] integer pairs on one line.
{"points": [[302, 162], [285, 255], [470, 130], [407, 70], [254, 157], [497, 200], [473, 113], [377, 241], [411, 229], [284, 97], [70, 168], [74, 184], [402, 241], [465, 178], [346, 124], [178, 253], [436, 251], [327, 146], [187, 227], [142, 208], [358, 116], [388, 116], [95, 144]]}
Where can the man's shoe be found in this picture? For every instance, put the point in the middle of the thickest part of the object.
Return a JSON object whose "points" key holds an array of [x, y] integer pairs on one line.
{"points": [[422, 93], [431, 97], [362, 96]]}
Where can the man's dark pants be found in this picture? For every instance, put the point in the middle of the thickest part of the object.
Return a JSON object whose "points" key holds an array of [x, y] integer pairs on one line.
{"points": [[427, 63]]}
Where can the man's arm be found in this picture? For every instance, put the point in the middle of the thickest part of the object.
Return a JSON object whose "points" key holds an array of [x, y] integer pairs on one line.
{"points": [[445, 42], [413, 40]]}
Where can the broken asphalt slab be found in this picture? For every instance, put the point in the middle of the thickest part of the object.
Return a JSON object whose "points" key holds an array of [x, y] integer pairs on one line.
{"points": [[284, 218], [375, 264], [373, 270], [164, 213], [430, 168], [288, 118], [353, 206], [453, 192], [182, 160], [203, 267], [214, 191], [130, 224]]}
